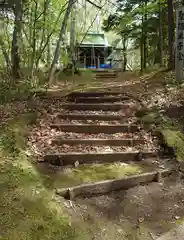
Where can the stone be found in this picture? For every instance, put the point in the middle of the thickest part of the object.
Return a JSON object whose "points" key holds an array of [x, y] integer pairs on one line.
{"points": [[76, 164], [71, 194], [159, 177]]}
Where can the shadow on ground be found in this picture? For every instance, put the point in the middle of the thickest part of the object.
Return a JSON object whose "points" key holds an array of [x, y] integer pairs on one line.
{"points": [[147, 210]]}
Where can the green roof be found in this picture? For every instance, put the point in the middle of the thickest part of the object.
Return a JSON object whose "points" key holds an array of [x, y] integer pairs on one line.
{"points": [[95, 39]]}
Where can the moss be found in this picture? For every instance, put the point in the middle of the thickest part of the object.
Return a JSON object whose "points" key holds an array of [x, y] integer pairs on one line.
{"points": [[168, 132], [142, 112], [149, 117], [28, 210], [87, 174], [174, 139]]}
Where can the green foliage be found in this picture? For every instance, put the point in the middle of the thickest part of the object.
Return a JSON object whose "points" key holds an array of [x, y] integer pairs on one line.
{"points": [[142, 112], [170, 80], [11, 91], [168, 131], [149, 116], [174, 139], [28, 210], [139, 22]]}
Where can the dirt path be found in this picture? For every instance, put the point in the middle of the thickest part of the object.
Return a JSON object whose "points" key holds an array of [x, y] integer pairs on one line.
{"points": [[176, 233], [143, 212]]}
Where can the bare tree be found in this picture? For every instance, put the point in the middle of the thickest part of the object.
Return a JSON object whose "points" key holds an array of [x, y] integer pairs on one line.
{"points": [[60, 40]]}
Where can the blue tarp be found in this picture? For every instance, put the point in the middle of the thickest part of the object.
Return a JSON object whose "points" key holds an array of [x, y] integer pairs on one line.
{"points": [[105, 66]]}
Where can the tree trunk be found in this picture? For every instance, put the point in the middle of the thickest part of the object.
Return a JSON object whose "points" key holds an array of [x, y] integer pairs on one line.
{"points": [[145, 34], [34, 39], [124, 53], [72, 39], [44, 32], [60, 39], [160, 35], [5, 54], [142, 45], [15, 58], [170, 34]]}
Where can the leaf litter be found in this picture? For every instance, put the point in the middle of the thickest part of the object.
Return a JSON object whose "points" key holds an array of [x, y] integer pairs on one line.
{"points": [[40, 140]]}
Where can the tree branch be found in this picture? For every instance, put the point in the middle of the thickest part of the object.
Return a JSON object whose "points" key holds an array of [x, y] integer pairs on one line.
{"points": [[89, 1]]}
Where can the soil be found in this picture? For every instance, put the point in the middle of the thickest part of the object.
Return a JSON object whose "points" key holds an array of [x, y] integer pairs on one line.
{"points": [[141, 213]]}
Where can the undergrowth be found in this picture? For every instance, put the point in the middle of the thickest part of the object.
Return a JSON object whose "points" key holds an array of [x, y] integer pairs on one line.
{"points": [[10, 91], [168, 131], [173, 138], [28, 211]]}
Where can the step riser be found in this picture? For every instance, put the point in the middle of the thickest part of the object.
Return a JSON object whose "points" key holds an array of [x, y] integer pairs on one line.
{"points": [[93, 94], [104, 70], [99, 142], [94, 107], [105, 77], [98, 100], [89, 158], [104, 187], [92, 117], [96, 128], [105, 73]]}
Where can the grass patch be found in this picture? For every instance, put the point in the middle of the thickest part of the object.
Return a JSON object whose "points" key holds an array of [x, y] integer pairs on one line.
{"points": [[149, 116], [175, 140], [167, 130], [171, 137], [28, 211], [10, 91], [88, 174]]}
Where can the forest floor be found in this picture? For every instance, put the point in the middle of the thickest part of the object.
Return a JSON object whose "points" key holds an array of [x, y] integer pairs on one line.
{"points": [[29, 207]]}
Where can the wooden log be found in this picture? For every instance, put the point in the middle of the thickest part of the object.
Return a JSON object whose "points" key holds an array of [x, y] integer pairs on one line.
{"points": [[95, 141], [95, 107], [94, 94], [94, 128], [61, 159], [104, 187], [98, 99], [100, 117]]}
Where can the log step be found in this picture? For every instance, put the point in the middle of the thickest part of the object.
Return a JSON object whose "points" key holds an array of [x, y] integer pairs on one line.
{"points": [[112, 75], [107, 186], [95, 107], [106, 75], [104, 70], [94, 94], [88, 158], [99, 100], [87, 128], [110, 142], [99, 117]]}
